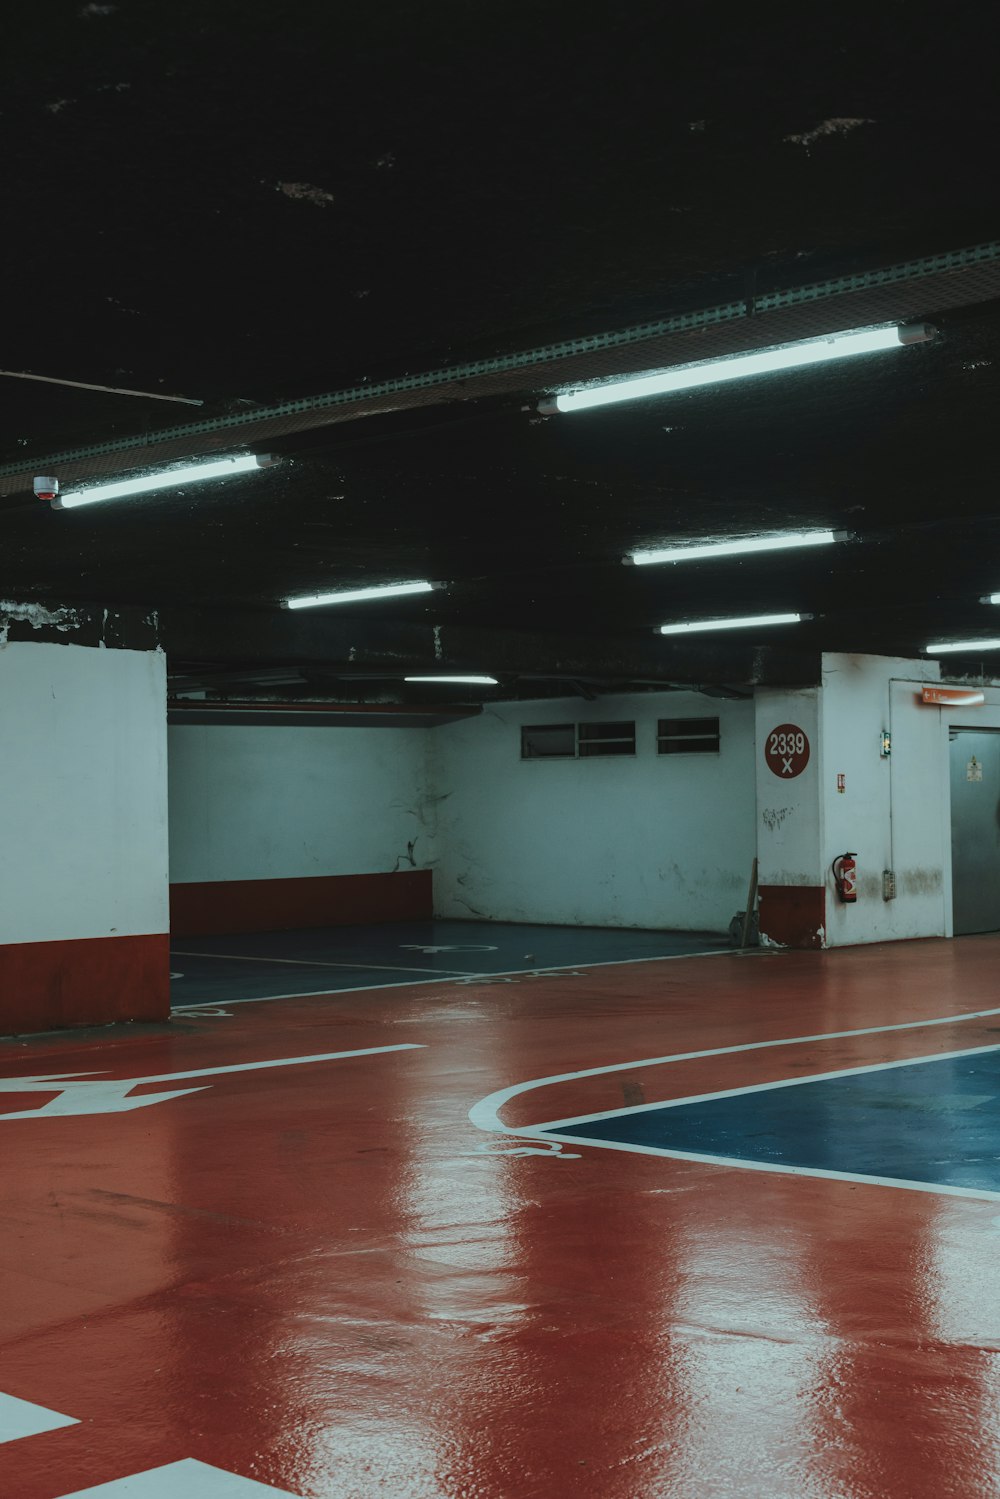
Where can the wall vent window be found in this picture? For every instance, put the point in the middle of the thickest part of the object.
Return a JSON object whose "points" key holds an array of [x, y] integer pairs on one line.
{"points": [[553, 741], [606, 739], [548, 741], [687, 736]]}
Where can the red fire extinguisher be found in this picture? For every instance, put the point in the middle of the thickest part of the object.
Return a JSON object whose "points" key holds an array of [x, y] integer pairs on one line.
{"points": [[844, 871]]}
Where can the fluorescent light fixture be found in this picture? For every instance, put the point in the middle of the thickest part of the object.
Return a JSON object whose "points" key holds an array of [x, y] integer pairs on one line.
{"points": [[941, 646], [357, 595], [472, 681], [776, 543], [990, 598], [738, 367], [696, 625], [166, 478]]}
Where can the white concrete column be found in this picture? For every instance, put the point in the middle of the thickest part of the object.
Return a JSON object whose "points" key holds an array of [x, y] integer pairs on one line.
{"points": [[83, 828], [889, 809], [892, 810]]}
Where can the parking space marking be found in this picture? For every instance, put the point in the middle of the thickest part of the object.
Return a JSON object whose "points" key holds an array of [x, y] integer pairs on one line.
{"points": [[238, 957], [20, 1418], [188, 1479], [459, 978]]}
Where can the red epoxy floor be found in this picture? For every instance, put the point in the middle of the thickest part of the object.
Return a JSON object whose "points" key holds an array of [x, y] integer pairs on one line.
{"points": [[325, 1278]]}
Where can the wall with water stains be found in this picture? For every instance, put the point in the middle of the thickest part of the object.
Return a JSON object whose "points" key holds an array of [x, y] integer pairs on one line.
{"points": [[650, 840]]}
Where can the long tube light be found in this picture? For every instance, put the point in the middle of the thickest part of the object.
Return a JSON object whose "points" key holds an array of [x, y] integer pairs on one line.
{"points": [[990, 598], [738, 367], [356, 595], [941, 646], [471, 681], [776, 543], [693, 626], [167, 478]]}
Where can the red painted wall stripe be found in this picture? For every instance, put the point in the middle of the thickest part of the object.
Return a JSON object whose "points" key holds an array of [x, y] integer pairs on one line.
{"points": [[48, 986], [283, 905], [793, 915]]}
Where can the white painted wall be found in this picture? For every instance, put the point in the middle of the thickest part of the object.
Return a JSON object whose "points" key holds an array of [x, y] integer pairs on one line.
{"points": [[654, 841], [658, 841], [83, 793], [894, 813], [282, 802]]}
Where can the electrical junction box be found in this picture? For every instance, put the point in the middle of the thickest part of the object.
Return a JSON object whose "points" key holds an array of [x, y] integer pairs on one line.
{"points": [[888, 884], [885, 747]]}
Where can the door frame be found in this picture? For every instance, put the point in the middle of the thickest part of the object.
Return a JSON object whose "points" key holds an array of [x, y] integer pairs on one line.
{"points": [[984, 720]]}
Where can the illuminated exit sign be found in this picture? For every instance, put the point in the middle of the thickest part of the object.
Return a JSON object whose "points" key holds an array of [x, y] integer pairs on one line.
{"points": [[952, 697]]}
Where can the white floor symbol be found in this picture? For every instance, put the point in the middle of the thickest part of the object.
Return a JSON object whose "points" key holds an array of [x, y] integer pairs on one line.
{"points": [[449, 947], [19, 1418], [184, 1480], [91, 1093]]}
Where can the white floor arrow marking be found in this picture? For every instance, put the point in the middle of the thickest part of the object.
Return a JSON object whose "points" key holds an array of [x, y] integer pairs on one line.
{"points": [[184, 1480], [19, 1418], [452, 947], [100, 1095]]}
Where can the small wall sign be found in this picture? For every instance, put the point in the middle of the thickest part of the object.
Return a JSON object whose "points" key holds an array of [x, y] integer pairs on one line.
{"points": [[841, 781], [974, 770], [952, 697], [786, 750]]}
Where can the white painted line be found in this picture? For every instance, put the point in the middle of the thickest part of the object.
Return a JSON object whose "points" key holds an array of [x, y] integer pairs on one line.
{"points": [[92, 1093], [239, 957], [320, 1056], [260, 999], [486, 1113], [184, 1480], [785, 1082], [463, 978], [534, 1132], [19, 1418]]}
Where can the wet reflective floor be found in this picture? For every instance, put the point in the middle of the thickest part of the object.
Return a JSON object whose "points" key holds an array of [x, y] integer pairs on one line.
{"points": [[362, 1244]]}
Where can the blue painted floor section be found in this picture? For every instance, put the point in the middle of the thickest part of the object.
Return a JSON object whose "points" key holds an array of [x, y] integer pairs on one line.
{"points": [[254, 965], [933, 1122]]}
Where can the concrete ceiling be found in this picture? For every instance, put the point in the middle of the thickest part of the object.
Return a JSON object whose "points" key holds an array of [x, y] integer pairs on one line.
{"points": [[254, 207]]}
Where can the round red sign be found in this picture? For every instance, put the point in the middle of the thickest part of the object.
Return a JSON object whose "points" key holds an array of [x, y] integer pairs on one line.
{"points": [[786, 750]]}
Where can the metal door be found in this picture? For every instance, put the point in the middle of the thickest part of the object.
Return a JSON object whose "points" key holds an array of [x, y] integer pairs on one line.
{"points": [[975, 830]]}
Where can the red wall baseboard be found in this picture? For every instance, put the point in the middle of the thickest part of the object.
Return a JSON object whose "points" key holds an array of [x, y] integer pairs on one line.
{"points": [[793, 915], [284, 905], [49, 986]]}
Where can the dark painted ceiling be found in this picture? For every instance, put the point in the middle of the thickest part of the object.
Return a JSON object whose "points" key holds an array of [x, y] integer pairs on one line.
{"points": [[244, 204]]}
